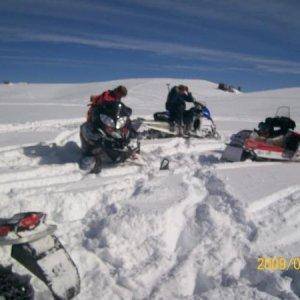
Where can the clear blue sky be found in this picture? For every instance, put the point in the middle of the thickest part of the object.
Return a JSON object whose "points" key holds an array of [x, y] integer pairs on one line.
{"points": [[253, 43]]}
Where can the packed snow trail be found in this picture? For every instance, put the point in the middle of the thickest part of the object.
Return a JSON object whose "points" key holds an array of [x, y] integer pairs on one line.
{"points": [[192, 232]]}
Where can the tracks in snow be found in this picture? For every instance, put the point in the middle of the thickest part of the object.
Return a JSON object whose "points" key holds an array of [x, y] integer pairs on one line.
{"points": [[278, 215], [176, 228], [45, 125]]}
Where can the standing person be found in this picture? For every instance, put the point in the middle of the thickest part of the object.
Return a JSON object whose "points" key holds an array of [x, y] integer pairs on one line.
{"points": [[176, 106]]}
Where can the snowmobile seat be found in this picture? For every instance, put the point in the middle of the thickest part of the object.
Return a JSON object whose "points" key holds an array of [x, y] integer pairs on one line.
{"points": [[161, 116]]}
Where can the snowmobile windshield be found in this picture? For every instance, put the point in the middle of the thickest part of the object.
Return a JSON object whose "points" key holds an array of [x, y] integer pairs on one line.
{"points": [[283, 111], [116, 110]]}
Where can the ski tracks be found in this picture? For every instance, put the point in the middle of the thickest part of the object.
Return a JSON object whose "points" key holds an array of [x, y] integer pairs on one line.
{"points": [[277, 216], [199, 244], [144, 233]]}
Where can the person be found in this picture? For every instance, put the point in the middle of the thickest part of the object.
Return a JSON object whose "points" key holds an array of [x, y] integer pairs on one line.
{"points": [[89, 134], [108, 96], [176, 105]]}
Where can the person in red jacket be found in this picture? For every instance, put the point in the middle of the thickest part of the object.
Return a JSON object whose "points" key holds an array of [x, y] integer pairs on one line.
{"points": [[108, 96]]}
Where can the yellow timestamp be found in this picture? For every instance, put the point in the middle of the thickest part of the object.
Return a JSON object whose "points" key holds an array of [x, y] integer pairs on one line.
{"points": [[276, 263]]}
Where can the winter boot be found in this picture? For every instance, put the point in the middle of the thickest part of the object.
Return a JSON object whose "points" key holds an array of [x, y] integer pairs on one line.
{"points": [[98, 165]]}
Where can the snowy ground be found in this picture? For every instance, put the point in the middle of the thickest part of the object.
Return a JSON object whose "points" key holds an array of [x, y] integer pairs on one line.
{"points": [[193, 232]]}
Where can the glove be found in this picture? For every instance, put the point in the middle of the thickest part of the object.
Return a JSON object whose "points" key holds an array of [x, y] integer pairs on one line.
{"points": [[202, 105]]}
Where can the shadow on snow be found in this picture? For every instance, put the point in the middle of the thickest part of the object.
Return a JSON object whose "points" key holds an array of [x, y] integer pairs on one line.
{"points": [[54, 154]]}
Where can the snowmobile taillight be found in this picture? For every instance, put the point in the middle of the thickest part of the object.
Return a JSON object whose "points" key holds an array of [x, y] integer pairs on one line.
{"points": [[30, 221], [4, 230]]}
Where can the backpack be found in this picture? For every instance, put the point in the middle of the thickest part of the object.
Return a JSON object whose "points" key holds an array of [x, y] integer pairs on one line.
{"points": [[98, 100], [283, 123]]}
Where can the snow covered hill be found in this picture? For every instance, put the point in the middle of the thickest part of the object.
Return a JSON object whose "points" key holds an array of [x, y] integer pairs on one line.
{"points": [[193, 232]]}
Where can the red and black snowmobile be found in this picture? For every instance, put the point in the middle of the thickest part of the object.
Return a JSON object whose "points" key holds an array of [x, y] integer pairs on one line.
{"points": [[266, 143], [34, 245], [263, 150], [110, 135], [244, 146]]}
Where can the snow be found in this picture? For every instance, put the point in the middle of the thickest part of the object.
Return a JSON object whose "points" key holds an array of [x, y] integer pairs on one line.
{"points": [[192, 232]]}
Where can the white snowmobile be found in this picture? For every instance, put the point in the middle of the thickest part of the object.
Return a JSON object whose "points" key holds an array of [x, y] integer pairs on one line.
{"points": [[35, 246], [202, 125], [256, 145]]}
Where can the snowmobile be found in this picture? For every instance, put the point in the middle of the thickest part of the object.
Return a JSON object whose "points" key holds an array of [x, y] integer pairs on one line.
{"points": [[202, 124], [250, 144], [113, 139], [35, 246]]}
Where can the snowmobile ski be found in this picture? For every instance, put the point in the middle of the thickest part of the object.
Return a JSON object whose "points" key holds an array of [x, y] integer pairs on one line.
{"points": [[160, 126]]}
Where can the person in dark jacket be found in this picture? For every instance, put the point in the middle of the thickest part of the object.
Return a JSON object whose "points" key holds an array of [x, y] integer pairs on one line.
{"points": [[176, 105], [93, 134], [103, 103]]}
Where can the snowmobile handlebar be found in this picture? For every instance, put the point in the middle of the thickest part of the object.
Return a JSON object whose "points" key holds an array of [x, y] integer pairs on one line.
{"points": [[198, 104]]}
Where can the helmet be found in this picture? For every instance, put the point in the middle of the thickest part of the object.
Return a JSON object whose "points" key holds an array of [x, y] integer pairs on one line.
{"points": [[121, 90]]}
